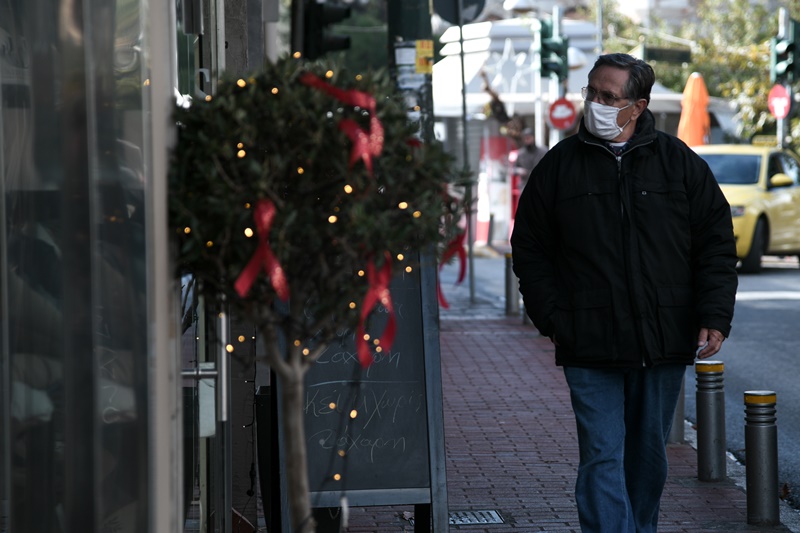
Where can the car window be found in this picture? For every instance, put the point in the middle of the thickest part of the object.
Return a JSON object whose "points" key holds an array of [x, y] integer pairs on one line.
{"points": [[775, 165], [791, 168], [734, 168]]}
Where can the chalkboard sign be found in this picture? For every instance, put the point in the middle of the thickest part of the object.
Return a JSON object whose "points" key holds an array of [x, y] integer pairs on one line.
{"points": [[386, 443], [387, 419]]}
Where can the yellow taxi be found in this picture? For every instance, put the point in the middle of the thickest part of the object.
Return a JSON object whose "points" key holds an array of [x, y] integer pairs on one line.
{"points": [[762, 185]]}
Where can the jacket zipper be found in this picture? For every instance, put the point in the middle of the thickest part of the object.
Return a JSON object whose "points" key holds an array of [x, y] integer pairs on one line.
{"points": [[622, 206], [622, 214], [619, 179]]}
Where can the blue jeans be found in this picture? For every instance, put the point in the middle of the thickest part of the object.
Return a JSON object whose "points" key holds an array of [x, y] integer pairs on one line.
{"points": [[624, 418]]}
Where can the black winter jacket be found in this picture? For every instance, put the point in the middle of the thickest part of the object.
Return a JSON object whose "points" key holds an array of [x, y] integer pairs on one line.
{"points": [[622, 259]]}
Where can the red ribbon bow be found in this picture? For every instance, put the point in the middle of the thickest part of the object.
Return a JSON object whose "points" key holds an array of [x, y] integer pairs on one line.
{"points": [[263, 214], [365, 145], [378, 293], [456, 246]]}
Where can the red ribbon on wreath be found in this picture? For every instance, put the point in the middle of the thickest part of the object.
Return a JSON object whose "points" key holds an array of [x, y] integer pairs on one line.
{"points": [[456, 246], [263, 215], [378, 292], [365, 145]]}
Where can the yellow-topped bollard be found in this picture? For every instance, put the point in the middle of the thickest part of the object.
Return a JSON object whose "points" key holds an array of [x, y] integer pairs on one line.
{"points": [[761, 453], [711, 441]]}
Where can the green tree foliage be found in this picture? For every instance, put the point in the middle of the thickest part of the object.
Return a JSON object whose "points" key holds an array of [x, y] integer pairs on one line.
{"points": [[619, 31], [622, 35], [273, 137], [732, 53], [730, 48]]}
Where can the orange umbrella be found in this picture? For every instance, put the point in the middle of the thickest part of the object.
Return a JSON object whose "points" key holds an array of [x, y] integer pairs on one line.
{"points": [[694, 127]]}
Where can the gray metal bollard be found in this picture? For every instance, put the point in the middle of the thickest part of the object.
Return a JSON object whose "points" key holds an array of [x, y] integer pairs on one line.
{"points": [[677, 433], [761, 453], [711, 443], [512, 288]]}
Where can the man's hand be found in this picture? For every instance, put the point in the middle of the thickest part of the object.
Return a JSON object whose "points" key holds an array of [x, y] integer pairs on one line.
{"points": [[709, 342]]}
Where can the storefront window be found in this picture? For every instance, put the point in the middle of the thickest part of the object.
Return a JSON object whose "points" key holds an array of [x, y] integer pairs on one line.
{"points": [[73, 324]]}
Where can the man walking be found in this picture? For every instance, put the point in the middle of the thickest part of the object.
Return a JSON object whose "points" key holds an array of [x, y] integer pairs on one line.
{"points": [[528, 156], [623, 245]]}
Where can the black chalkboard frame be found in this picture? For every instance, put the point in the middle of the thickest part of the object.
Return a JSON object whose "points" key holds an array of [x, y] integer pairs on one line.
{"points": [[429, 499]]}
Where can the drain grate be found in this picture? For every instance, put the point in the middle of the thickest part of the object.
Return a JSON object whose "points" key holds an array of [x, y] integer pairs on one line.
{"points": [[475, 517]]}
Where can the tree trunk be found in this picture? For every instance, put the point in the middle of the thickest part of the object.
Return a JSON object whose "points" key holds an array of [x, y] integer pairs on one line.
{"points": [[296, 459]]}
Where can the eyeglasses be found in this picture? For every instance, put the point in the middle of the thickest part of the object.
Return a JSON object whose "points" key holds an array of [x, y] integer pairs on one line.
{"points": [[605, 97]]}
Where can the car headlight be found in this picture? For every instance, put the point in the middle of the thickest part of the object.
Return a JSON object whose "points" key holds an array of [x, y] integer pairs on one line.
{"points": [[737, 210]]}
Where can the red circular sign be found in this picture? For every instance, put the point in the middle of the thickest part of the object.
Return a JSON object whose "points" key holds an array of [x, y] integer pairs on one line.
{"points": [[562, 114], [779, 101]]}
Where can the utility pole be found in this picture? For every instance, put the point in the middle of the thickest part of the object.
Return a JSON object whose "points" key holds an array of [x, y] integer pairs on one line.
{"points": [[411, 63], [409, 28], [297, 33], [465, 152], [784, 67], [411, 57], [550, 60], [538, 105], [556, 89]]}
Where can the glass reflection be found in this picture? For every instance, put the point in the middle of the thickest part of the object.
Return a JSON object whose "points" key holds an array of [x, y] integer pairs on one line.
{"points": [[72, 251]]}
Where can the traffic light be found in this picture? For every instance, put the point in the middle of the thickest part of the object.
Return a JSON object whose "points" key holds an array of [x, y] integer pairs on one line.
{"points": [[553, 52], [317, 16], [783, 61]]}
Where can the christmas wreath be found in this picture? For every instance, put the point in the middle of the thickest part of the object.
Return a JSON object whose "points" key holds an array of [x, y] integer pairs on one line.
{"points": [[309, 185]]}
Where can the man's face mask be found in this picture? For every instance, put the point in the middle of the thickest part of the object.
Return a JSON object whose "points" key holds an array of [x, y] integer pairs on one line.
{"points": [[601, 120]]}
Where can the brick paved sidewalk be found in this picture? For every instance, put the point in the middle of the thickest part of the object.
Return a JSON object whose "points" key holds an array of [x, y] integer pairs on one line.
{"points": [[511, 446]]}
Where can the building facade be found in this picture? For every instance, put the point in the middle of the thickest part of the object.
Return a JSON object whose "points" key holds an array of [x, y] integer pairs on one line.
{"points": [[104, 425]]}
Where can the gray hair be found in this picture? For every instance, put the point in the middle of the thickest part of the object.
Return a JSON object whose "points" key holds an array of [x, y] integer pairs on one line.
{"points": [[641, 76]]}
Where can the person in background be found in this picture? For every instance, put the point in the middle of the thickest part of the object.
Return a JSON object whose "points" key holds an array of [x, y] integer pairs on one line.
{"points": [[528, 156], [623, 245]]}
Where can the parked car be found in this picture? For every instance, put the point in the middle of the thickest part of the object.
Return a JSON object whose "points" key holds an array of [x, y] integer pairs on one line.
{"points": [[762, 185]]}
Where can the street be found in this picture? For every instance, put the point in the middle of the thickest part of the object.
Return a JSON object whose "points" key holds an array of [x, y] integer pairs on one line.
{"points": [[761, 353]]}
